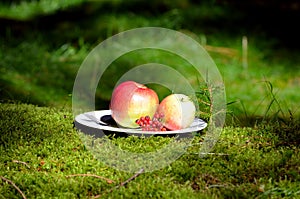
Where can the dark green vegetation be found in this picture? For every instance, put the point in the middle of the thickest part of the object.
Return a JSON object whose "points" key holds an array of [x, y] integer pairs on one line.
{"points": [[257, 155]]}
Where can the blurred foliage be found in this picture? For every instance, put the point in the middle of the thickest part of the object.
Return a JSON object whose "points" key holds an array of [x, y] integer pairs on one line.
{"points": [[26, 10], [229, 17], [41, 52]]}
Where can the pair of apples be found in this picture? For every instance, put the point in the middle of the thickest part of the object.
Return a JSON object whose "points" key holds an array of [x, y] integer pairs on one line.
{"points": [[131, 101]]}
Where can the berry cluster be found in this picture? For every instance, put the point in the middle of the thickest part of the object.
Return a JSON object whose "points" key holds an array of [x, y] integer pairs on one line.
{"points": [[154, 124]]}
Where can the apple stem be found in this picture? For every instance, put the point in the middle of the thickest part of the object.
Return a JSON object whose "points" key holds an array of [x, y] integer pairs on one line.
{"points": [[182, 99], [141, 86]]}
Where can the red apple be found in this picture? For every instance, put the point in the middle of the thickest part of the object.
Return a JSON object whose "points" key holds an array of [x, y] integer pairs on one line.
{"points": [[130, 101], [178, 111]]}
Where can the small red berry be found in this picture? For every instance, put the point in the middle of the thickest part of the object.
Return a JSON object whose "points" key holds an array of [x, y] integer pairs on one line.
{"points": [[148, 124]]}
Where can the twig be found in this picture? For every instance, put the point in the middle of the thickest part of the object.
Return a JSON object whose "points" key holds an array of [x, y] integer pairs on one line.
{"points": [[222, 50], [245, 51], [92, 175], [204, 102], [131, 178], [14, 185], [125, 182], [20, 162], [215, 186], [225, 154]]}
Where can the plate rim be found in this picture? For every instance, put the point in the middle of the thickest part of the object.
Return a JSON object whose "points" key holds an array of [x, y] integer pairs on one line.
{"points": [[99, 125]]}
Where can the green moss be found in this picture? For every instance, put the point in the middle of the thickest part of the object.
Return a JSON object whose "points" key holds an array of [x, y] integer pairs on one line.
{"points": [[245, 162]]}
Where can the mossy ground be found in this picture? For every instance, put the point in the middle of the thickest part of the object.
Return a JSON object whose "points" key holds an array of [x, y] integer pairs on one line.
{"points": [[40, 148]]}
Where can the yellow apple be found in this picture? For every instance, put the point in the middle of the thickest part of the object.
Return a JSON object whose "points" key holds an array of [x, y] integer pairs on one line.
{"points": [[178, 111]]}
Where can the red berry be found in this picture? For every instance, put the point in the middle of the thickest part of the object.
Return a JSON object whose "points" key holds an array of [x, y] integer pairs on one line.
{"points": [[148, 124]]}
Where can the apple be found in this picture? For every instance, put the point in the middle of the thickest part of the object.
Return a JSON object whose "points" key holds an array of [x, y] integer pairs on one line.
{"points": [[178, 111], [130, 101]]}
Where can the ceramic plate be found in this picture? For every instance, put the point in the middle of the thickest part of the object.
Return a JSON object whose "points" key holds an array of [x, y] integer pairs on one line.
{"points": [[100, 122]]}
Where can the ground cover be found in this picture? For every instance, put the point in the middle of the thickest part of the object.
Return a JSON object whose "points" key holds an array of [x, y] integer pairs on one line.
{"points": [[41, 153]]}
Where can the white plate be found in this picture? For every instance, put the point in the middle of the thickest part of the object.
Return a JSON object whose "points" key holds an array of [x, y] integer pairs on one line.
{"points": [[99, 123]]}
